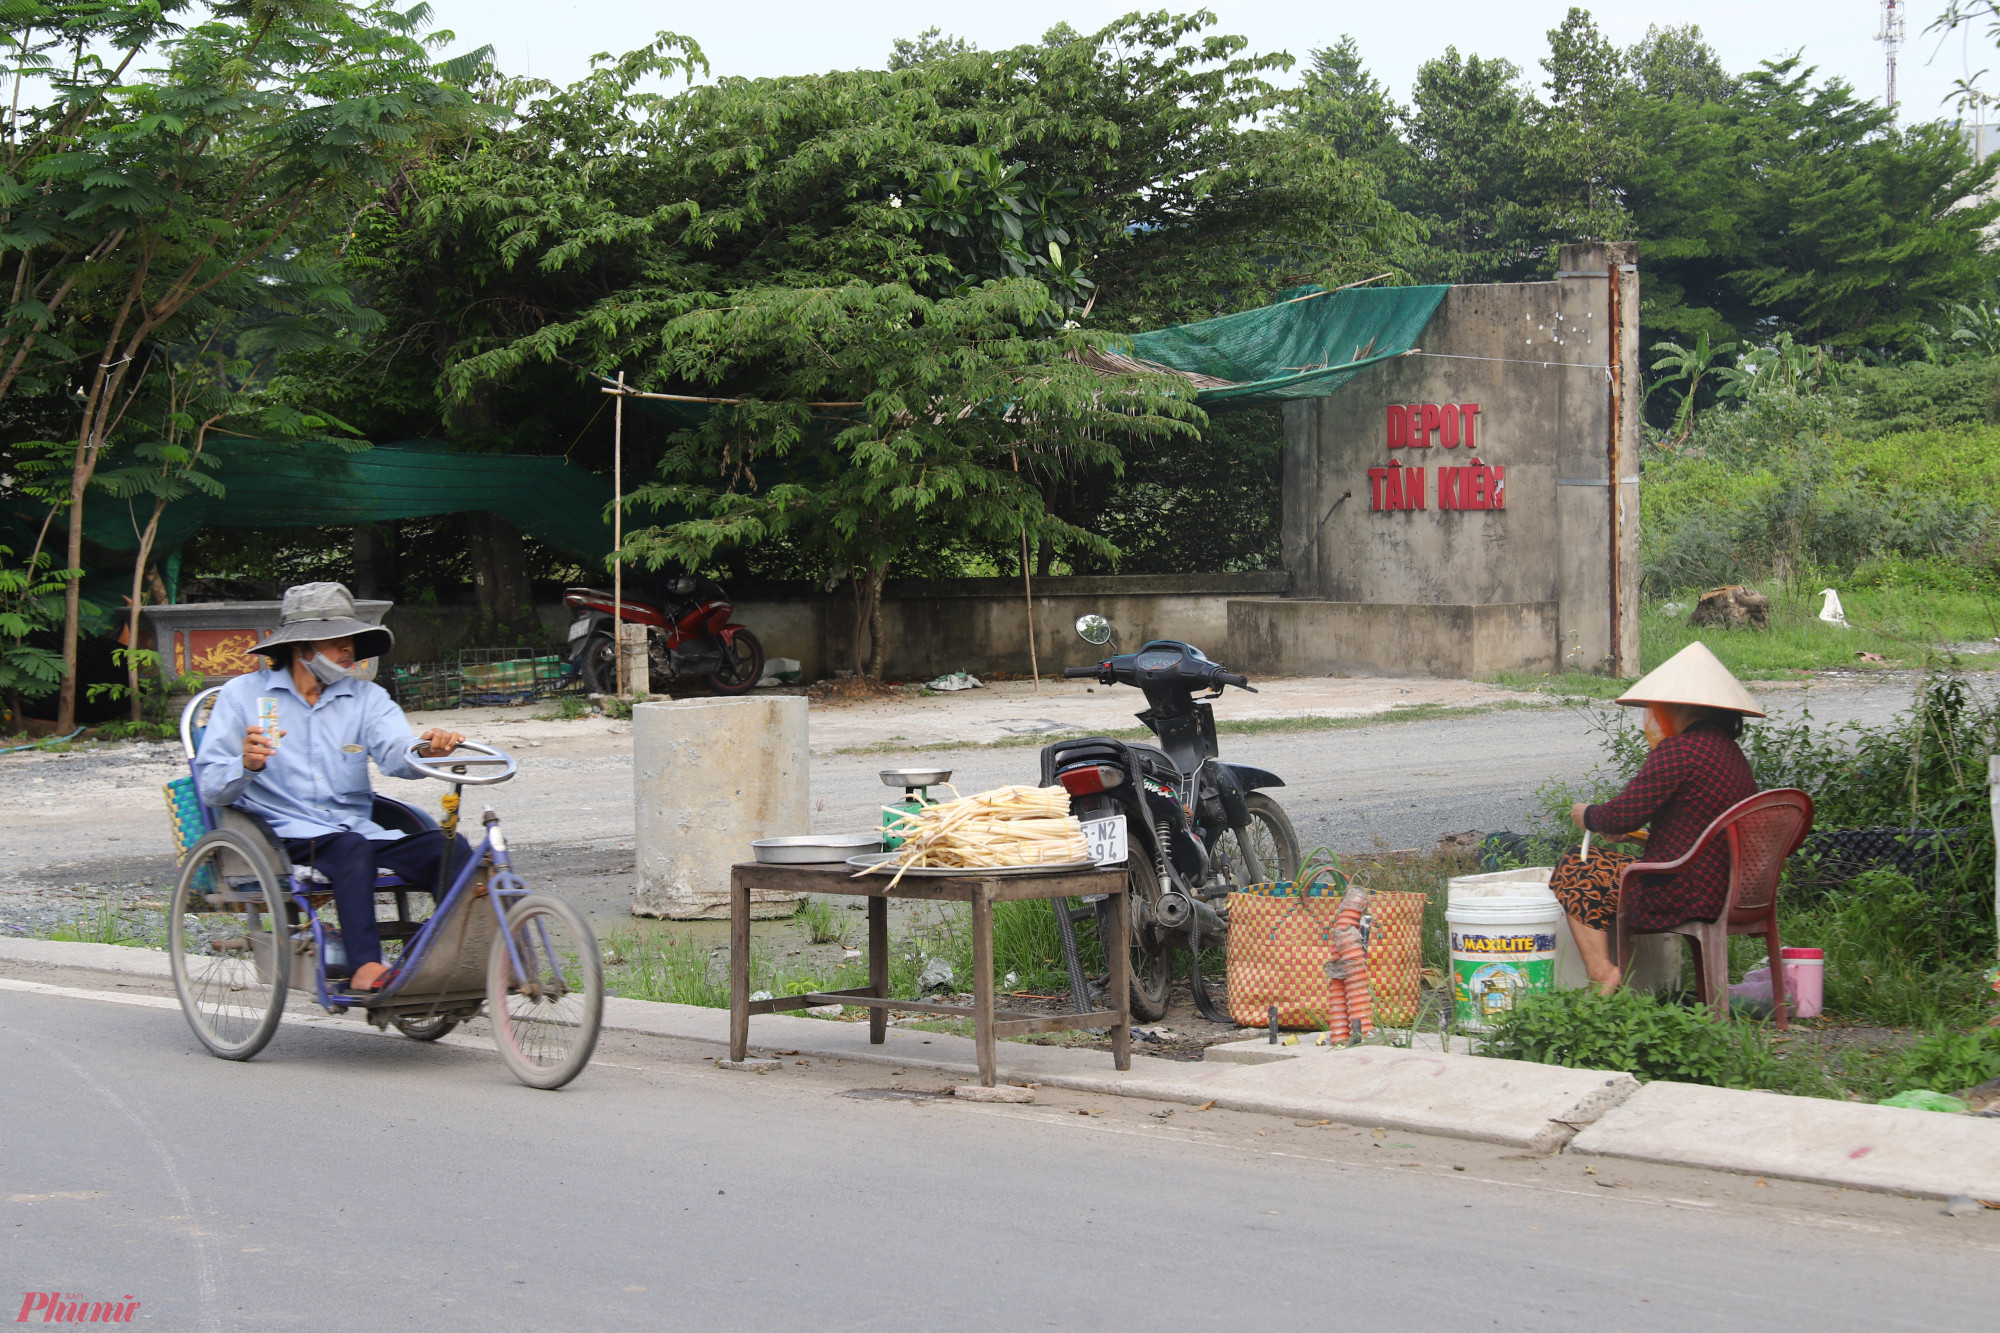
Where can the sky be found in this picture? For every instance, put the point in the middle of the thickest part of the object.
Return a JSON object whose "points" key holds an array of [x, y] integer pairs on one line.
{"points": [[555, 39]]}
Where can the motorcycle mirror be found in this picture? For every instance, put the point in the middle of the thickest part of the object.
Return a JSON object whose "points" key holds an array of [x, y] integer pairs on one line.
{"points": [[683, 586], [1093, 629]]}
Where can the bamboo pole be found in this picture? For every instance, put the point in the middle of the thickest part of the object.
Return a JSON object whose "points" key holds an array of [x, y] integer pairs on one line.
{"points": [[618, 534], [1028, 591]]}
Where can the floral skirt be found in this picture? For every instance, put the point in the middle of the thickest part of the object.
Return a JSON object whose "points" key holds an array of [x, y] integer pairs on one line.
{"points": [[1588, 890]]}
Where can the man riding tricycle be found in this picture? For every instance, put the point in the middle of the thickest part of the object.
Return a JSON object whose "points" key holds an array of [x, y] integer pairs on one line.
{"points": [[280, 824]]}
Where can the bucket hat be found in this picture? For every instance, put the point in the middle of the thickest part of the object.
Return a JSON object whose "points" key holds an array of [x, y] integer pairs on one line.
{"points": [[311, 612], [1694, 675]]}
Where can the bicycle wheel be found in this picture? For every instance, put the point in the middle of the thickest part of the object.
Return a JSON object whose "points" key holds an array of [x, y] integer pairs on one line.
{"points": [[1271, 836], [227, 944], [424, 1029], [546, 1016]]}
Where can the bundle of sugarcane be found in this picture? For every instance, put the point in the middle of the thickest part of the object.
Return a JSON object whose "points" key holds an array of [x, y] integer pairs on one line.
{"points": [[1008, 826]]}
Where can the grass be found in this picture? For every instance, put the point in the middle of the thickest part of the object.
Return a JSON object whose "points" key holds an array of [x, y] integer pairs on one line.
{"points": [[823, 922], [1905, 626], [677, 968], [568, 708], [105, 925]]}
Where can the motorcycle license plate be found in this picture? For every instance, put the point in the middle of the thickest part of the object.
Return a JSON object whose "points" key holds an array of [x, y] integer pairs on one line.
{"points": [[579, 628], [1106, 839]]}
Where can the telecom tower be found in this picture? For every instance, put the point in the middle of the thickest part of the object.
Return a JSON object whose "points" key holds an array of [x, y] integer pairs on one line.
{"points": [[1891, 36]]}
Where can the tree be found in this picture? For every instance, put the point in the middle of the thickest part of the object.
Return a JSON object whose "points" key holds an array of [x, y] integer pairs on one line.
{"points": [[876, 414], [1583, 148], [1347, 106], [174, 196], [219, 385], [1678, 62], [1470, 128], [1798, 206], [607, 228]]}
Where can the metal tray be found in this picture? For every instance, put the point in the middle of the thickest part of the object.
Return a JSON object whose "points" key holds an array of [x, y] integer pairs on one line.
{"points": [[814, 848], [879, 862], [914, 777]]}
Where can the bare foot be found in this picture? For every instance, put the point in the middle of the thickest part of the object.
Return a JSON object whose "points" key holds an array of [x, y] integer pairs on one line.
{"points": [[1608, 981]]}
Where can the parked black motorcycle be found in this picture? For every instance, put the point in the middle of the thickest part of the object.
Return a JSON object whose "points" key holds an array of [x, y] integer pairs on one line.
{"points": [[1191, 827]]}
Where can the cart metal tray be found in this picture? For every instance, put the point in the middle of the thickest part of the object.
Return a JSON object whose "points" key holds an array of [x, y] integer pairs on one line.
{"points": [[883, 863]]}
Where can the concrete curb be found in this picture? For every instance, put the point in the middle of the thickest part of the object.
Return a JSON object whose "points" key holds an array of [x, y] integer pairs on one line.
{"points": [[1803, 1138], [1539, 1108]]}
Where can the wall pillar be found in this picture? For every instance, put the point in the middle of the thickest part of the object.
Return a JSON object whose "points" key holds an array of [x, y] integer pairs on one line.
{"points": [[708, 776]]}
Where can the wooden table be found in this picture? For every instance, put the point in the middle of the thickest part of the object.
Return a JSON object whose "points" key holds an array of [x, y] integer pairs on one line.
{"points": [[981, 891]]}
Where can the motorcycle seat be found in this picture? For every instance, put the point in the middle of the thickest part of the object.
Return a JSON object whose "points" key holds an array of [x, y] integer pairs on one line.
{"points": [[1151, 760]]}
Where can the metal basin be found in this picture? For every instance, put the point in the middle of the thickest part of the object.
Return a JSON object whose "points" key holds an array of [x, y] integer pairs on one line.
{"points": [[815, 848], [914, 777]]}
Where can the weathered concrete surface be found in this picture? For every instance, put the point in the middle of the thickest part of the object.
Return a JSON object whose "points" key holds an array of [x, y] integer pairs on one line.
{"points": [[106, 957], [1537, 358], [1311, 637], [1802, 1138], [708, 777], [979, 625]]}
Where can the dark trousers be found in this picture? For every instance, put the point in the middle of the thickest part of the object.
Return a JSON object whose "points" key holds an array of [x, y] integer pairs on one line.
{"points": [[349, 862]]}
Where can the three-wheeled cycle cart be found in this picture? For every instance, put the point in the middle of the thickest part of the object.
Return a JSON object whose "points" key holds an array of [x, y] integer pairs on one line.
{"points": [[244, 925]]}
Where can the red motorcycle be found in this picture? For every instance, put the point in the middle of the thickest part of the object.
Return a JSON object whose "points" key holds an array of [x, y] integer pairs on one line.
{"points": [[688, 636]]}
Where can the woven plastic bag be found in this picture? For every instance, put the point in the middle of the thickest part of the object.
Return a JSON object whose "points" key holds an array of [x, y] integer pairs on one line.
{"points": [[1396, 956], [1296, 946]]}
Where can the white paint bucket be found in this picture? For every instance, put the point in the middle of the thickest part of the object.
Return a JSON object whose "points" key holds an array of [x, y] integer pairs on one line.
{"points": [[1501, 948], [1656, 959]]}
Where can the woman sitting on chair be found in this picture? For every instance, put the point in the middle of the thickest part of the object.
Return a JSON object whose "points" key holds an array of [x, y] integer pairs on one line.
{"points": [[1694, 713]]}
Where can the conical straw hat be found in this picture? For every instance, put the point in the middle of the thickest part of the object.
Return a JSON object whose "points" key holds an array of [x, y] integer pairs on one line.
{"points": [[1694, 675]]}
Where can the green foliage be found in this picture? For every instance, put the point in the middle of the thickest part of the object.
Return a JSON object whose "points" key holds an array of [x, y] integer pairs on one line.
{"points": [[1771, 487], [1803, 205], [1629, 1031], [104, 925], [1952, 1061], [823, 922], [1687, 365], [30, 602]]}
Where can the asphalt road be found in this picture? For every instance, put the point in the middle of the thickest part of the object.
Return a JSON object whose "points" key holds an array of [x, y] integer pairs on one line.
{"points": [[1384, 784], [347, 1180], [82, 826]]}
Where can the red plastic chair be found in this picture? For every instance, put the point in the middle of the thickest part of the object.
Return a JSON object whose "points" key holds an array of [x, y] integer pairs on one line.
{"points": [[1763, 830]]}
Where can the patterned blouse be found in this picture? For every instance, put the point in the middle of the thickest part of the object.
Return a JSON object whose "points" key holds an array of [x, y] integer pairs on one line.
{"points": [[1687, 781]]}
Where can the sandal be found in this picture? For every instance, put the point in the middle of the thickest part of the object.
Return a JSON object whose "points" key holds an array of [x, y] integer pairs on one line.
{"points": [[368, 977]]}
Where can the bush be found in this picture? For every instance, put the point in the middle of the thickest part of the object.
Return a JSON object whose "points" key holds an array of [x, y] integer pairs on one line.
{"points": [[1627, 1030], [1952, 1061], [1921, 396]]}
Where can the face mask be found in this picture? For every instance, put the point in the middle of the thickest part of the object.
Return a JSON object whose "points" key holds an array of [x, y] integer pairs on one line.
{"points": [[327, 672]]}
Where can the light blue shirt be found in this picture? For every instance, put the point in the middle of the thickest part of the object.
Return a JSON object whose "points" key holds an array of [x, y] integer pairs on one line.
{"points": [[317, 782]]}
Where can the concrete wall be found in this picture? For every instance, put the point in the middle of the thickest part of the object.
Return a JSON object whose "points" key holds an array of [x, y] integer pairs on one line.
{"points": [[980, 625], [1538, 358], [932, 626], [1307, 637]]}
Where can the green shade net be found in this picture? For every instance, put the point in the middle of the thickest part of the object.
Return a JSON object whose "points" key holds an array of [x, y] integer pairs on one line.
{"points": [[1306, 345], [323, 486]]}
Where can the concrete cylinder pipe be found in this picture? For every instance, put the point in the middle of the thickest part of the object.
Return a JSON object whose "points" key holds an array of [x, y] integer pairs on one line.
{"points": [[708, 776]]}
